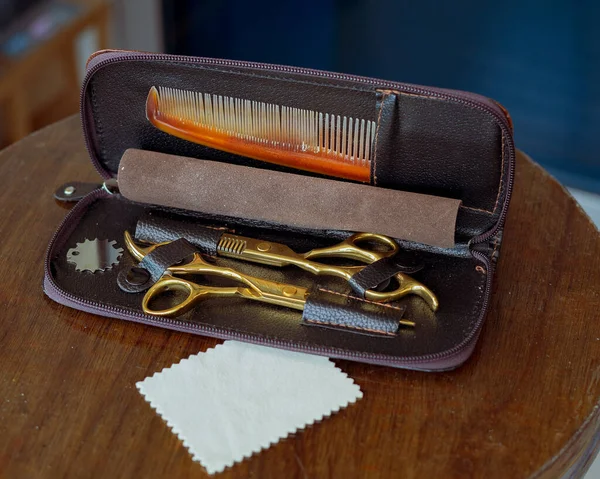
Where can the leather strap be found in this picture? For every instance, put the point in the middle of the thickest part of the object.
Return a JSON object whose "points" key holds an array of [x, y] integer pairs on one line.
{"points": [[379, 273], [157, 262], [387, 103], [340, 311], [133, 279], [136, 279], [74, 191], [156, 227]]}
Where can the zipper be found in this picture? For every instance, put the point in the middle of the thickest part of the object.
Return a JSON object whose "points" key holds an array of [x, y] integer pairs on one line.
{"points": [[114, 56], [438, 361]]}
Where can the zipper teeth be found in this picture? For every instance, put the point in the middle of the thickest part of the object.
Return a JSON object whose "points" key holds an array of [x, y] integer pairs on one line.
{"points": [[492, 107], [80, 207]]}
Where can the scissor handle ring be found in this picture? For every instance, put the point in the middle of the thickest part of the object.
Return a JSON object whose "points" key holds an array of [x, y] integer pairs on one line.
{"points": [[392, 246], [406, 285], [169, 283]]}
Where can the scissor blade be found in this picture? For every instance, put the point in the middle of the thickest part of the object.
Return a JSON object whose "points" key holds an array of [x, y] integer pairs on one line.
{"points": [[289, 297]]}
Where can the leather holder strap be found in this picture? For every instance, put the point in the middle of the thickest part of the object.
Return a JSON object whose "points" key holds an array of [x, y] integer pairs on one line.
{"points": [[340, 311], [386, 124], [157, 262], [134, 280], [155, 227], [285, 199], [379, 273]]}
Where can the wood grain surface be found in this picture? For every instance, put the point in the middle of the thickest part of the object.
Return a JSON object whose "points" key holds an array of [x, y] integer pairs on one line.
{"points": [[525, 404]]}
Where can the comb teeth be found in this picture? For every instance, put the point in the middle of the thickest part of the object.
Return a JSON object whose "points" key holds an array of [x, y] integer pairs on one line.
{"points": [[231, 245], [285, 128]]}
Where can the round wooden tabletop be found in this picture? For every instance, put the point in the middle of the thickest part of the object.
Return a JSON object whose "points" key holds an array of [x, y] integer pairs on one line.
{"points": [[524, 405]]}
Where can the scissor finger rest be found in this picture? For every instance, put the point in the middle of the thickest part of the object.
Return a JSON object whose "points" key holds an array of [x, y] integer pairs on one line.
{"points": [[406, 285], [351, 248]]}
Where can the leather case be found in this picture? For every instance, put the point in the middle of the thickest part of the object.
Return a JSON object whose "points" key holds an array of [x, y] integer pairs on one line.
{"points": [[431, 141]]}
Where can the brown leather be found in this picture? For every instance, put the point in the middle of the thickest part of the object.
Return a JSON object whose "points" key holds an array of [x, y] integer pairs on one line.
{"points": [[422, 141], [157, 261], [285, 199], [379, 274], [73, 191], [159, 227]]}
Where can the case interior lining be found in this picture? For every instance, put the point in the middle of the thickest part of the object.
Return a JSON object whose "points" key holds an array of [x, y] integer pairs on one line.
{"points": [[451, 135], [448, 276]]}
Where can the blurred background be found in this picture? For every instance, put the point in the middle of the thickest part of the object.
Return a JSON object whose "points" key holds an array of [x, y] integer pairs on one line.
{"points": [[539, 59]]}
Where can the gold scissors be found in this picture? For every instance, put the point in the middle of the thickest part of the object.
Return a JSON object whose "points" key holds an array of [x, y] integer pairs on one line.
{"points": [[253, 288], [354, 247], [277, 254]]}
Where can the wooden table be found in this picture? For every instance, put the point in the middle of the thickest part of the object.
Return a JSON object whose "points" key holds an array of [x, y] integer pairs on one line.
{"points": [[525, 405]]}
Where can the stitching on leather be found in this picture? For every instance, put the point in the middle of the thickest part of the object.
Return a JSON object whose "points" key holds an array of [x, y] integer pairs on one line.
{"points": [[398, 92], [475, 209], [381, 331], [97, 121], [363, 300], [419, 95], [385, 94]]}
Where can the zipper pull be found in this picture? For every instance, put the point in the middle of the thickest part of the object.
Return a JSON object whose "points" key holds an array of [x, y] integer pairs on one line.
{"points": [[73, 191]]}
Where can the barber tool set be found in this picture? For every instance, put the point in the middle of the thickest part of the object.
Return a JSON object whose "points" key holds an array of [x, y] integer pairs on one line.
{"points": [[332, 214]]}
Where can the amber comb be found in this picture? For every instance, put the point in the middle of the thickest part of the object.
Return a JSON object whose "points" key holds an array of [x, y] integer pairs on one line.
{"points": [[329, 144]]}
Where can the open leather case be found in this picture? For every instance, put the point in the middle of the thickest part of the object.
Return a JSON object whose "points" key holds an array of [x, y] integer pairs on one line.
{"points": [[433, 147]]}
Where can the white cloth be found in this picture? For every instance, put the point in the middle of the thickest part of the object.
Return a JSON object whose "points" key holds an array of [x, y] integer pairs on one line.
{"points": [[236, 399]]}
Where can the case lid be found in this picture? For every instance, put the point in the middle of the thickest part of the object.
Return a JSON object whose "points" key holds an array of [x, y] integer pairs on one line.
{"points": [[432, 141]]}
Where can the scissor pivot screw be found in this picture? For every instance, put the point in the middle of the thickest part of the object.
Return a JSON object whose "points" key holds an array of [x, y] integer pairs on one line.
{"points": [[289, 291], [69, 190], [264, 246]]}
